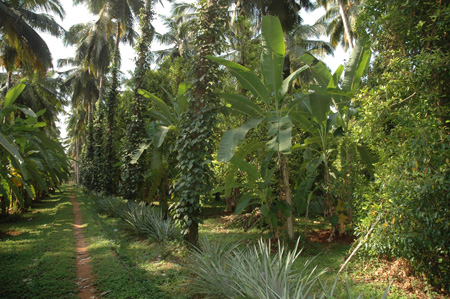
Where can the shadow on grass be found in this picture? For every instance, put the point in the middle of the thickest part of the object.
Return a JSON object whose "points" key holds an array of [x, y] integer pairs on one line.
{"points": [[125, 265], [37, 254]]}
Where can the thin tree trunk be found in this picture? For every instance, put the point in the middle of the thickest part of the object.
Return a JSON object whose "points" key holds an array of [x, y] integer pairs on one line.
{"points": [[348, 32], [288, 196], [9, 81], [101, 89], [109, 186], [77, 158]]}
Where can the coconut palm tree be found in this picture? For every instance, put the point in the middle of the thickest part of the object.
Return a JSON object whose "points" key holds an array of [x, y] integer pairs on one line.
{"points": [[178, 37], [340, 16], [133, 173], [124, 13], [21, 45]]}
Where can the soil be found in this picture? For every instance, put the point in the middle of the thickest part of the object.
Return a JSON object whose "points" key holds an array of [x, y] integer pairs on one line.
{"points": [[85, 278], [323, 236], [403, 276], [10, 233]]}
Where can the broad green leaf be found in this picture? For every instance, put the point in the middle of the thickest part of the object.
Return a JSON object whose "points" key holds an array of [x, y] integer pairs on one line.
{"points": [[273, 51], [280, 130], [25, 110], [160, 135], [242, 104], [137, 153], [171, 98], [13, 94], [334, 81], [320, 102], [248, 148], [244, 202], [356, 66], [312, 140], [303, 122], [265, 210], [156, 159], [182, 89], [159, 116], [339, 92], [332, 119], [288, 81], [284, 207], [318, 68], [231, 139], [17, 192], [229, 186], [39, 125], [244, 166], [164, 109], [182, 97], [299, 97], [11, 148], [246, 77], [301, 193], [265, 164], [41, 112]]}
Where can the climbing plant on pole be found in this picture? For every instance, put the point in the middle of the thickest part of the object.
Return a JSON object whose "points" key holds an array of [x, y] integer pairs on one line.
{"points": [[195, 143], [133, 173]]}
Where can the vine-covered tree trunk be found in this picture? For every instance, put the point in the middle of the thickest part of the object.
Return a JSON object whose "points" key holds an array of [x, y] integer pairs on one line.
{"points": [[109, 186], [98, 158], [88, 152], [133, 174], [195, 144], [77, 162]]}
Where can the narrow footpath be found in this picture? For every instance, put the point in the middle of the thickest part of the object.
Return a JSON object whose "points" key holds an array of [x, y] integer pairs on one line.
{"points": [[85, 278]]}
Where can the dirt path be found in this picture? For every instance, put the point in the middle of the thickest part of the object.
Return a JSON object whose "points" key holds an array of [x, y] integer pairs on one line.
{"points": [[85, 278]]}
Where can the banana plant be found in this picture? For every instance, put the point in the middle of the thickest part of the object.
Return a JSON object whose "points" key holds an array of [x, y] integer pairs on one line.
{"points": [[269, 105], [316, 116], [166, 119], [257, 186], [30, 160]]}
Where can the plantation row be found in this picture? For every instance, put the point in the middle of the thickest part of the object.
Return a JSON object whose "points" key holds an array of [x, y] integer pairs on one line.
{"points": [[136, 254], [241, 109]]}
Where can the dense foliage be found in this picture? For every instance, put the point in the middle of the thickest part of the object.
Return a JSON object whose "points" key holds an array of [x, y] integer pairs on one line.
{"points": [[195, 143], [31, 161], [366, 146], [404, 120]]}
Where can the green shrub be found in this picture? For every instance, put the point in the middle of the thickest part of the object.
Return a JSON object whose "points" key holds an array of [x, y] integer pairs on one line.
{"points": [[150, 222], [410, 192], [229, 271], [111, 206], [146, 220]]}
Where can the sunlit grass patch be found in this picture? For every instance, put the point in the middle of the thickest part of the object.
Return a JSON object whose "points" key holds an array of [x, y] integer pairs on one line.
{"points": [[38, 259]]}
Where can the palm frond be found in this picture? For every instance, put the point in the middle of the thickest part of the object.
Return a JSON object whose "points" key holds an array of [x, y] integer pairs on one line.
{"points": [[43, 22]]}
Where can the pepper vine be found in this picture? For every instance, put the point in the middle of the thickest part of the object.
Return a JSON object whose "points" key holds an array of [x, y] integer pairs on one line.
{"points": [[195, 143], [133, 174]]}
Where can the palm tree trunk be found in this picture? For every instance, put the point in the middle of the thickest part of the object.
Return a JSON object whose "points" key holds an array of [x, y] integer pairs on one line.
{"points": [[348, 32], [134, 173], [77, 166], [108, 185]]}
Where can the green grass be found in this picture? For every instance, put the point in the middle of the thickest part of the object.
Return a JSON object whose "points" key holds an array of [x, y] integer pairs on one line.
{"points": [[125, 265], [37, 253], [39, 262]]}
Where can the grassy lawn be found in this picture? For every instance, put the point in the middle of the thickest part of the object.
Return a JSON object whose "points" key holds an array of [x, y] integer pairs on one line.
{"points": [[37, 255]]}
